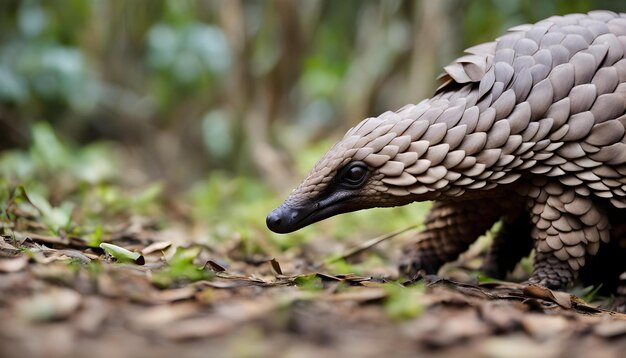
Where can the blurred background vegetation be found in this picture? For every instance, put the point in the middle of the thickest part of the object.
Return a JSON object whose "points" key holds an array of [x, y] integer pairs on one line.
{"points": [[219, 105]]}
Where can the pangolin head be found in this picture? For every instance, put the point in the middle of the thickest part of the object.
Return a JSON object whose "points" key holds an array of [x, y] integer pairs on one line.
{"points": [[369, 167]]}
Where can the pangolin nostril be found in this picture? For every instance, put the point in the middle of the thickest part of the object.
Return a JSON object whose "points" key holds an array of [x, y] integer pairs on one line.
{"points": [[273, 220]]}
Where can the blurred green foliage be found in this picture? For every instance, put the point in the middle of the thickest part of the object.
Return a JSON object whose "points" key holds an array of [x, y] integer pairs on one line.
{"points": [[69, 189], [181, 268], [224, 105], [215, 78], [404, 302], [49, 158]]}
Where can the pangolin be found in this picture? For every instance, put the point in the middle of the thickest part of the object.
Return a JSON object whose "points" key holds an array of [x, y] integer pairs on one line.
{"points": [[528, 129]]}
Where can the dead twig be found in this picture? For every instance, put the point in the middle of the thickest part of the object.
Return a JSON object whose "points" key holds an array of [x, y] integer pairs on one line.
{"points": [[369, 244]]}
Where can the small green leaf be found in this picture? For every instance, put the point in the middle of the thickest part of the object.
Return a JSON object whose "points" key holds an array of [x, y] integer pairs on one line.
{"points": [[95, 238], [121, 254], [404, 302], [482, 278], [54, 217], [309, 282], [588, 293], [180, 267]]}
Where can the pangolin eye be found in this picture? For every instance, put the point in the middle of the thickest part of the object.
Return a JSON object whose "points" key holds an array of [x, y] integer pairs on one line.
{"points": [[353, 175]]}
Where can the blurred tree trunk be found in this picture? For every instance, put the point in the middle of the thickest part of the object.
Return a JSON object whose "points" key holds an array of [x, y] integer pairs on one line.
{"points": [[255, 104], [14, 131], [435, 44], [371, 61], [356, 58]]}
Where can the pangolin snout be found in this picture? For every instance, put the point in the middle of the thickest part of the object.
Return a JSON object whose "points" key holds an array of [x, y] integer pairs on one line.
{"points": [[274, 220], [290, 216], [282, 219]]}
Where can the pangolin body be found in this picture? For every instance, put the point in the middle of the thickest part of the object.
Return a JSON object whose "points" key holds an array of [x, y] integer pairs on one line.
{"points": [[528, 129]]}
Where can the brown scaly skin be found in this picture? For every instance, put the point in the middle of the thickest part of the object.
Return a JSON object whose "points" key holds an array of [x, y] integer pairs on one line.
{"points": [[532, 125], [606, 266], [451, 227]]}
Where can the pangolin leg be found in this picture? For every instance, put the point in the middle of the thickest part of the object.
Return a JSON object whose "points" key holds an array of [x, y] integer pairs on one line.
{"points": [[511, 243], [567, 227], [616, 263], [608, 264], [551, 271], [450, 228]]}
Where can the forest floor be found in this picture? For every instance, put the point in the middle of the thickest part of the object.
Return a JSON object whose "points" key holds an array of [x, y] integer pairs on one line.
{"points": [[91, 266], [63, 296]]}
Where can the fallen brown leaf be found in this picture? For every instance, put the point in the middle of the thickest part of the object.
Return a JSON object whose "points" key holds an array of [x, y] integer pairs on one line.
{"points": [[544, 327], [67, 253], [197, 328], [4, 244], [276, 267], [175, 294], [93, 314], [57, 303], [562, 299], [156, 246], [154, 318], [215, 266], [520, 346], [610, 329], [13, 264], [40, 239], [357, 294]]}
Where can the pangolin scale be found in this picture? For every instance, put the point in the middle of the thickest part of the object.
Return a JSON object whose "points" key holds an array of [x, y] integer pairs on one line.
{"points": [[528, 129]]}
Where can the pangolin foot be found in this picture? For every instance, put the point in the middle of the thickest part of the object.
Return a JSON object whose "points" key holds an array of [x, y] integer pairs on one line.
{"points": [[414, 262], [552, 272]]}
